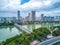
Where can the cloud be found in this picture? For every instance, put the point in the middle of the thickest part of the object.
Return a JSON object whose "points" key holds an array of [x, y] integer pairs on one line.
{"points": [[34, 4], [37, 5], [41, 5], [45, 6], [9, 4]]}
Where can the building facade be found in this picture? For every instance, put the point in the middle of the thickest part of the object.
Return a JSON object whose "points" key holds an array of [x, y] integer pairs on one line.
{"points": [[18, 13], [33, 16]]}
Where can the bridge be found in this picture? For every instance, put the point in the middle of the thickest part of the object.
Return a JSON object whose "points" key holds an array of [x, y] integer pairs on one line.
{"points": [[23, 28], [51, 41]]}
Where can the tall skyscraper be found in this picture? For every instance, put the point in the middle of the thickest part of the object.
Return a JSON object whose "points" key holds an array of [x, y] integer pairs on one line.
{"points": [[29, 17], [18, 12], [42, 17], [33, 16]]}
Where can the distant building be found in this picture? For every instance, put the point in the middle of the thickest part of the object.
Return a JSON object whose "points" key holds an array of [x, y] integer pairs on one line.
{"points": [[7, 19], [18, 13], [42, 17], [37, 19], [48, 18], [10, 19], [2, 20], [33, 16], [29, 17], [14, 19], [57, 18]]}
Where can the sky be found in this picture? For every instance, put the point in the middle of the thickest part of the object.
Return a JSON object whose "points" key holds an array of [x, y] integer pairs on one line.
{"points": [[9, 8]]}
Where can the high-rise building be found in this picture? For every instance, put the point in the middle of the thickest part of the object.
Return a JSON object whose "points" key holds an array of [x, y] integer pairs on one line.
{"points": [[42, 17], [18, 16], [29, 17], [33, 16]]}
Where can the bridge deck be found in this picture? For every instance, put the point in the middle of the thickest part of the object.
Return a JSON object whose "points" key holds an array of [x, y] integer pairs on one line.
{"points": [[24, 29]]}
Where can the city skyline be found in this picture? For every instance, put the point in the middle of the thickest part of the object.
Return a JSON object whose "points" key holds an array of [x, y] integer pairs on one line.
{"points": [[47, 7]]}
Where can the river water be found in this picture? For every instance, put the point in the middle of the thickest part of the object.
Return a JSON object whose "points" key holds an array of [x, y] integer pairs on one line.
{"points": [[8, 32]]}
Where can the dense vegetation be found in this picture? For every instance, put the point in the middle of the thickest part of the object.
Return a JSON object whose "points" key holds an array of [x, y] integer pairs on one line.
{"points": [[56, 33], [25, 39]]}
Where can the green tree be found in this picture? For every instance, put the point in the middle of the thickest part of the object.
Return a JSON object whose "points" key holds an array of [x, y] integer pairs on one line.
{"points": [[56, 33]]}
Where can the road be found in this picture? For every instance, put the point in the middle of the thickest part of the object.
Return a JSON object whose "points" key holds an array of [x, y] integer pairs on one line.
{"points": [[51, 41]]}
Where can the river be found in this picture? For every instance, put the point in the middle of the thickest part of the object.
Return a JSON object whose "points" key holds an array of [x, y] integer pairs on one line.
{"points": [[7, 32]]}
